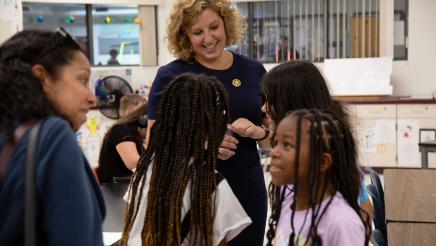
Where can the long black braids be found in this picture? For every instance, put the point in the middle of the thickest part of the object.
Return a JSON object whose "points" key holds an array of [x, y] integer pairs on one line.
{"points": [[328, 134], [191, 123]]}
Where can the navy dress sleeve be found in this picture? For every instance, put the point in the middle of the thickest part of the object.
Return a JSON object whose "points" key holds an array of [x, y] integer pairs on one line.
{"points": [[163, 77]]}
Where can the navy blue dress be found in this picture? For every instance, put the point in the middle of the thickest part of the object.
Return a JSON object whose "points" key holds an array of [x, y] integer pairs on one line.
{"points": [[243, 170]]}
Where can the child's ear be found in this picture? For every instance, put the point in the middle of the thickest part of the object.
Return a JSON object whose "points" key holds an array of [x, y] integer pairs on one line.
{"points": [[325, 162]]}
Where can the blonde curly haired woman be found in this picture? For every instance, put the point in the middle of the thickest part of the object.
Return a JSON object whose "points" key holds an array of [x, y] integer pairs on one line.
{"points": [[197, 34]]}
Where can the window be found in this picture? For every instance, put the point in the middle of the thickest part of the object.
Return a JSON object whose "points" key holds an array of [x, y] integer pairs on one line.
{"points": [[72, 17], [109, 33], [115, 35], [401, 13], [283, 30]]}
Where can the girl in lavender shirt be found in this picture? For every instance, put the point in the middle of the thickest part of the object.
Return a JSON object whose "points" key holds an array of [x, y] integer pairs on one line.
{"points": [[313, 166]]}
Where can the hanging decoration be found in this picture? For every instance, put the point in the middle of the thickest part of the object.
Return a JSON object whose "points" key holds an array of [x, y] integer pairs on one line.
{"points": [[70, 19], [137, 21], [40, 18]]}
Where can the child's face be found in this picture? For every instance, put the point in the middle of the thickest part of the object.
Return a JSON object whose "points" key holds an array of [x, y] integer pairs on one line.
{"points": [[283, 163]]}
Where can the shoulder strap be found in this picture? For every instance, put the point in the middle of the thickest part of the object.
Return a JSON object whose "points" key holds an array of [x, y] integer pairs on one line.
{"points": [[186, 222], [30, 189]]}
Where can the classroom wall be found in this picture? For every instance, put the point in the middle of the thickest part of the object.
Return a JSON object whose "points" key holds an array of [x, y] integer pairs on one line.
{"points": [[417, 75]]}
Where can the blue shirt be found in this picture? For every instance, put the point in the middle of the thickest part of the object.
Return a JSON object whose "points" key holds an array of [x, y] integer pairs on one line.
{"points": [[70, 206]]}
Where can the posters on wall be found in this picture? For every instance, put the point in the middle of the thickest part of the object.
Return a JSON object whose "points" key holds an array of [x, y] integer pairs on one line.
{"points": [[408, 137], [376, 138], [91, 134]]}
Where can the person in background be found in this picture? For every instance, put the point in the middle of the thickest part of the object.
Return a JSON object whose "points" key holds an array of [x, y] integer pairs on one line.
{"points": [[176, 196], [123, 143], [284, 52], [197, 33], [44, 77], [316, 182], [113, 60], [130, 103], [299, 85]]}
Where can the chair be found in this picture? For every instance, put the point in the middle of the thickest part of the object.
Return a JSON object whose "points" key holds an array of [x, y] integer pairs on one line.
{"points": [[375, 180], [379, 218], [123, 179], [377, 238]]}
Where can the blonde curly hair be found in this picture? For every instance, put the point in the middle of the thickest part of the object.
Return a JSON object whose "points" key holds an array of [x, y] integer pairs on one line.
{"points": [[185, 12]]}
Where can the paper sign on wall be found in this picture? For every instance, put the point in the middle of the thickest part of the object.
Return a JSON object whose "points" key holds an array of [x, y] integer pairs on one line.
{"points": [[91, 134], [385, 131], [408, 137]]}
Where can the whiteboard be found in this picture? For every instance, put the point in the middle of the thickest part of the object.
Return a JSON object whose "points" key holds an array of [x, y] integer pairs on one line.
{"points": [[359, 76]]}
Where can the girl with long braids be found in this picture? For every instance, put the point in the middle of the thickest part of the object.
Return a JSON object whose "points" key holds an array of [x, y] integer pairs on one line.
{"points": [[313, 163], [176, 196]]}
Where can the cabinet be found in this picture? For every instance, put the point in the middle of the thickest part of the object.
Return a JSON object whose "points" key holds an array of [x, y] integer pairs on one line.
{"points": [[411, 118], [375, 132], [388, 134]]}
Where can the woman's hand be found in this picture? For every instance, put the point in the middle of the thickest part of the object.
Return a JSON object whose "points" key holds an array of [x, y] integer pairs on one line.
{"points": [[245, 128], [227, 147]]}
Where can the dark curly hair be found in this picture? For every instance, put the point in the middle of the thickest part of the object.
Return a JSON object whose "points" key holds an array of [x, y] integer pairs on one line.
{"points": [[21, 93]]}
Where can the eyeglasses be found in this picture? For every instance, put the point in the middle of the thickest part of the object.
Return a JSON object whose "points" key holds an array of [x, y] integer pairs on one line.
{"points": [[60, 37]]}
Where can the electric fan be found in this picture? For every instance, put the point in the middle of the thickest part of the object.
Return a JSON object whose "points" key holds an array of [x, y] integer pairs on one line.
{"points": [[108, 92]]}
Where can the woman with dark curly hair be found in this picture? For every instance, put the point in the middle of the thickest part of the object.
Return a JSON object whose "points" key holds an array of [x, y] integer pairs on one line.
{"points": [[197, 34], [44, 79]]}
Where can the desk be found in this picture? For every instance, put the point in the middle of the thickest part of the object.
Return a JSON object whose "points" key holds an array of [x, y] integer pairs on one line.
{"points": [[410, 198], [425, 148], [115, 206]]}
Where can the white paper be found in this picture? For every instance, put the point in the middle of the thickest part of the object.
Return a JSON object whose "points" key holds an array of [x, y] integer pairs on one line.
{"points": [[399, 33], [385, 131], [359, 76], [7, 10], [111, 237], [91, 134], [367, 139], [408, 137]]}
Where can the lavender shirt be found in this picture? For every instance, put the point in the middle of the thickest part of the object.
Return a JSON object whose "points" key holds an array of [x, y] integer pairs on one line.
{"points": [[340, 225]]}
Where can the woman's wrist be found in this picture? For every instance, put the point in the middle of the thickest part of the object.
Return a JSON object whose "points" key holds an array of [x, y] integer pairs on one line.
{"points": [[265, 133]]}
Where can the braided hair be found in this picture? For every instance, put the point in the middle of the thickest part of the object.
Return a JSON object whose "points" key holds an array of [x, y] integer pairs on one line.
{"points": [[191, 123], [328, 134]]}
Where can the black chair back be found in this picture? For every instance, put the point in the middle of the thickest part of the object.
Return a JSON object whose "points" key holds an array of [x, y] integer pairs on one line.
{"points": [[379, 219], [375, 180], [377, 238]]}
